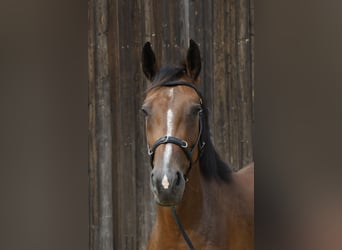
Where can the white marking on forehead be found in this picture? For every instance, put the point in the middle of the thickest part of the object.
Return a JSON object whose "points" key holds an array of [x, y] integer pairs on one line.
{"points": [[169, 131], [171, 93], [167, 156], [169, 122], [169, 116], [168, 147], [165, 182]]}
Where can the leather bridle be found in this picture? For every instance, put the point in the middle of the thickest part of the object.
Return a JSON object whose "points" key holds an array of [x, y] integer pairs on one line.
{"points": [[183, 144]]}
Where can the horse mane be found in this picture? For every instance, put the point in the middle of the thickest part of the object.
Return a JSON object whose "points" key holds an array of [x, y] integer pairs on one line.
{"points": [[211, 165]]}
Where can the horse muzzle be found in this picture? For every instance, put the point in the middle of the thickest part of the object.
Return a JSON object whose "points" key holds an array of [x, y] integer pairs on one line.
{"points": [[167, 186]]}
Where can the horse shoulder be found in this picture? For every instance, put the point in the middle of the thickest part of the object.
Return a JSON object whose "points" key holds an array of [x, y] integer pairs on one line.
{"points": [[240, 213], [239, 193], [245, 177]]}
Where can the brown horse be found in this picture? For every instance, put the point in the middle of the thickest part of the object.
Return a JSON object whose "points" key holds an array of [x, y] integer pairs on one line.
{"points": [[214, 205]]}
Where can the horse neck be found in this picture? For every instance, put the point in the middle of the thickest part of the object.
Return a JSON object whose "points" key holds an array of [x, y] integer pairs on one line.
{"points": [[190, 210]]}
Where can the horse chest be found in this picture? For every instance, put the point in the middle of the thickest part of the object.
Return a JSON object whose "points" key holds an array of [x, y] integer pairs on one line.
{"points": [[179, 244], [204, 238]]}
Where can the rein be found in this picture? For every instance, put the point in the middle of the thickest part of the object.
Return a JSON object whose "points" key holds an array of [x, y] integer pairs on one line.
{"points": [[182, 230], [184, 145]]}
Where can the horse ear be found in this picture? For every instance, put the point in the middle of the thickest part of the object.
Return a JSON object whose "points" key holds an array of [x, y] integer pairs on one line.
{"points": [[193, 60], [149, 64]]}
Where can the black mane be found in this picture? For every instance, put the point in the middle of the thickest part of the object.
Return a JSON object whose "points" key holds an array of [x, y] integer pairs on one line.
{"points": [[211, 165]]}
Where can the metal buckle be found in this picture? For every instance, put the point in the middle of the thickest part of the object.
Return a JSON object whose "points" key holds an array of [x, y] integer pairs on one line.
{"points": [[185, 144], [202, 146], [149, 151]]}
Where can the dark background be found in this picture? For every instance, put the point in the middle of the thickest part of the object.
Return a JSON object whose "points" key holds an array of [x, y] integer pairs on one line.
{"points": [[44, 124]]}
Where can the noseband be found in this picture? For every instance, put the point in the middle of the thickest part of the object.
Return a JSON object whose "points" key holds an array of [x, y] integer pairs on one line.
{"points": [[184, 145]]}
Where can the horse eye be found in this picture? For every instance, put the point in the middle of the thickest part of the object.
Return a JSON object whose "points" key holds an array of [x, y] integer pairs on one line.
{"points": [[196, 110], [144, 110]]}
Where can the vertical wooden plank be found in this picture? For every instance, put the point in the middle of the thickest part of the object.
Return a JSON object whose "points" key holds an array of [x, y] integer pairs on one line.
{"points": [[147, 20], [148, 206], [103, 128], [244, 80], [114, 61], [164, 26], [179, 30], [196, 32], [100, 129], [145, 203], [145, 207], [93, 181], [126, 192], [172, 26], [157, 32], [233, 90], [220, 131], [196, 22], [251, 34], [184, 25], [208, 55]]}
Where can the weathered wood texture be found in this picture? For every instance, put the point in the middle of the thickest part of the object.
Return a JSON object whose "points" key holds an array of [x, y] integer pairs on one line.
{"points": [[100, 135], [223, 30]]}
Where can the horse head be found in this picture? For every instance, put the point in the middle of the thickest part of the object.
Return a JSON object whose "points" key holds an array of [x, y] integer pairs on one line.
{"points": [[173, 111]]}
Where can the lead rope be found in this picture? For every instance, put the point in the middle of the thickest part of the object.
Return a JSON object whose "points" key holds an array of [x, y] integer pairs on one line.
{"points": [[181, 229]]}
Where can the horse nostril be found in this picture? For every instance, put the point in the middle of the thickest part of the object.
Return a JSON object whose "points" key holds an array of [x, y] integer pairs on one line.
{"points": [[178, 178]]}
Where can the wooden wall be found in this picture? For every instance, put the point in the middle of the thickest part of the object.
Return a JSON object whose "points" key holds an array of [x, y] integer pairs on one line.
{"points": [[118, 166]]}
